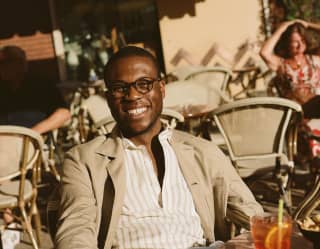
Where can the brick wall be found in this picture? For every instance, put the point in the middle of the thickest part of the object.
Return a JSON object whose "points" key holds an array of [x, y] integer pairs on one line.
{"points": [[38, 46]]}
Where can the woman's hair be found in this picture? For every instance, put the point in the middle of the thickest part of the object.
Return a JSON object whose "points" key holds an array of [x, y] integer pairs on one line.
{"points": [[283, 45]]}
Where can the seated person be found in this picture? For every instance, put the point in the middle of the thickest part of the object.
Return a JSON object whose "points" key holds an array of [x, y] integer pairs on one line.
{"points": [[25, 101], [298, 71], [145, 185], [287, 52]]}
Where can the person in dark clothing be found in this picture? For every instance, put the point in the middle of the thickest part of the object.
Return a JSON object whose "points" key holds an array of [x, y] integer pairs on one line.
{"points": [[25, 101]]}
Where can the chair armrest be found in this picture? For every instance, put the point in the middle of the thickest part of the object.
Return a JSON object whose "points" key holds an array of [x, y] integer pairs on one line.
{"points": [[238, 218], [310, 202]]}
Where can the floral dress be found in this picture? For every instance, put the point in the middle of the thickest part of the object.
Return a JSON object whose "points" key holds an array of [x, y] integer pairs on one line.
{"points": [[301, 83]]}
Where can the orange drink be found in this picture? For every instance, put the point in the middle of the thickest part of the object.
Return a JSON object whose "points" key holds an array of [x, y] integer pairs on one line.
{"points": [[267, 233]]}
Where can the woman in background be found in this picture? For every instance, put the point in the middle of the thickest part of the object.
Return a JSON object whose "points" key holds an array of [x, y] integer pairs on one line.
{"points": [[298, 71]]}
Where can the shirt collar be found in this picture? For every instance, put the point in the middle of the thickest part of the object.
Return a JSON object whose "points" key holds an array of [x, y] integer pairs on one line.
{"points": [[165, 134]]}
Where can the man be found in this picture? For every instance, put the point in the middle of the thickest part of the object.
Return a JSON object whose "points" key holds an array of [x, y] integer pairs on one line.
{"points": [[25, 101], [145, 185]]}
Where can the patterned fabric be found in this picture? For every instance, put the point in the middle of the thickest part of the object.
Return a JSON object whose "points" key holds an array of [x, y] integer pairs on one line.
{"points": [[152, 217], [304, 82]]}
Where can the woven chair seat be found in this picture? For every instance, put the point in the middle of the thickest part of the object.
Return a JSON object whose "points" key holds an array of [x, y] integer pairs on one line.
{"points": [[9, 193]]}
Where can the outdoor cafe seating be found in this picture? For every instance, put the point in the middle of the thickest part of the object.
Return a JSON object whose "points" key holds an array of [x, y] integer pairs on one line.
{"points": [[258, 134], [256, 131], [21, 152], [196, 95]]}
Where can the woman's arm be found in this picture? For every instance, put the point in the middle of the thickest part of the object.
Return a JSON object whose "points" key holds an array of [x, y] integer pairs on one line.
{"points": [[267, 50], [309, 25], [54, 121]]}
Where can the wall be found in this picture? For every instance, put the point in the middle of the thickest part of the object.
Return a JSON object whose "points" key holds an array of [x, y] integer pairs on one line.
{"points": [[27, 24], [200, 24]]}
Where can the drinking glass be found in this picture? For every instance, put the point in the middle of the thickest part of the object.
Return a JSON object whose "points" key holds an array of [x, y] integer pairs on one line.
{"points": [[268, 233]]}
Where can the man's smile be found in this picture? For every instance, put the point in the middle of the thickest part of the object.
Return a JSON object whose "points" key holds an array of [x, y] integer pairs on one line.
{"points": [[136, 111]]}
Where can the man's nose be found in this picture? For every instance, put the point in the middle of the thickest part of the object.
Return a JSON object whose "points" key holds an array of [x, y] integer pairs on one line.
{"points": [[133, 93]]}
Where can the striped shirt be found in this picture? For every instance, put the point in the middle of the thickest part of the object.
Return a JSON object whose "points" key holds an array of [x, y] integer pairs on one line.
{"points": [[152, 217]]}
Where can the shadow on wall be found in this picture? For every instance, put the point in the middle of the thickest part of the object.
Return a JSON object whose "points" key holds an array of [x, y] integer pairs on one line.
{"points": [[177, 8]]}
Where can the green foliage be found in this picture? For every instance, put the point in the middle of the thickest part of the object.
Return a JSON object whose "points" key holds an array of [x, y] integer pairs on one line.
{"points": [[308, 10]]}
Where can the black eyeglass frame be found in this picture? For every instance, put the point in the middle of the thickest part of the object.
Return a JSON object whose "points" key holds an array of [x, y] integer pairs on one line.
{"points": [[125, 86]]}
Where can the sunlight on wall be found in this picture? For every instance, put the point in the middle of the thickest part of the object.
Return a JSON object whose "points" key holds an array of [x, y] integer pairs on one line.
{"points": [[228, 23]]}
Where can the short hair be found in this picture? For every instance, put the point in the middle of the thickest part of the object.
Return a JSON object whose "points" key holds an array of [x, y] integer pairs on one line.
{"points": [[13, 53], [126, 52]]}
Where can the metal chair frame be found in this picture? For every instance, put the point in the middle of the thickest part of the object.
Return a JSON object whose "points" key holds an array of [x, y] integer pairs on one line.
{"points": [[27, 163], [286, 138], [309, 203], [220, 70]]}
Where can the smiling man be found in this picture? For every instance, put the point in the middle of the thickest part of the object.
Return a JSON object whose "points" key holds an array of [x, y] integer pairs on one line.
{"points": [[145, 185]]}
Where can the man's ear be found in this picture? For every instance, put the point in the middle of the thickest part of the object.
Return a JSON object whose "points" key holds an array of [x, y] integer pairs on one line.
{"points": [[107, 96], [162, 87]]}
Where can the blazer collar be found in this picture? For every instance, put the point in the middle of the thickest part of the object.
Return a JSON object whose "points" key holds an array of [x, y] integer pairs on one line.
{"points": [[111, 145], [186, 157]]}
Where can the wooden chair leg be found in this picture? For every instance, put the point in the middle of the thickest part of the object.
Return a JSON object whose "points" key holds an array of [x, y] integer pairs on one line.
{"points": [[38, 225], [35, 217], [28, 226]]}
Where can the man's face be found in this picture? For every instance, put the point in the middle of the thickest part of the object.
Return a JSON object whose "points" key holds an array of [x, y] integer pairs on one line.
{"points": [[135, 112]]}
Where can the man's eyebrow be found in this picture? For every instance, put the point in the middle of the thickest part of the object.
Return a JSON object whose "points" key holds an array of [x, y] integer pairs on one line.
{"points": [[119, 82]]}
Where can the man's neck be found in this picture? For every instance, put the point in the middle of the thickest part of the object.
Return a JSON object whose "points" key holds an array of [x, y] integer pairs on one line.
{"points": [[151, 141], [146, 137]]}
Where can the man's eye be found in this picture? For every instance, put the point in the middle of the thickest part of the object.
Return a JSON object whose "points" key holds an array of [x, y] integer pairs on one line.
{"points": [[144, 83], [118, 89]]}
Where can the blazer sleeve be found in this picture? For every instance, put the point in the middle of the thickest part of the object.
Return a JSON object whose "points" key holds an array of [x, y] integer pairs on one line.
{"points": [[240, 202], [76, 227], [240, 198]]}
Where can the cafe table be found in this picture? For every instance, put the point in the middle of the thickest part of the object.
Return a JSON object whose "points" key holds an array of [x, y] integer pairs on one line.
{"points": [[244, 241], [195, 117]]}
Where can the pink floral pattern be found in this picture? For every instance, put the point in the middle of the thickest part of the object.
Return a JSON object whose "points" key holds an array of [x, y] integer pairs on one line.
{"points": [[303, 77]]}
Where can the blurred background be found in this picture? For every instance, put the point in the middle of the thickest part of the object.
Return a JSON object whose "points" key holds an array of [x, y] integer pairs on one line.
{"points": [[71, 40]]}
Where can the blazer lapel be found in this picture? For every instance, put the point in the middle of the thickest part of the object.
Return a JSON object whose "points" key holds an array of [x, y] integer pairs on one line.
{"points": [[115, 187], [185, 155]]}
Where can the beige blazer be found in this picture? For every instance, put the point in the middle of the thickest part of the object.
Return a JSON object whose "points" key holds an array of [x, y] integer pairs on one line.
{"points": [[93, 179]]}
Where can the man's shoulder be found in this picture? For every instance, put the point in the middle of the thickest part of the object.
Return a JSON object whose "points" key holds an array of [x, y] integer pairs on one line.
{"points": [[190, 139], [89, 147], [202, 147]]}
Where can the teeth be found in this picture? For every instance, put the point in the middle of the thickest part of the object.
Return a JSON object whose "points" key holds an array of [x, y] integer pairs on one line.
{"points": [[137, 111]]}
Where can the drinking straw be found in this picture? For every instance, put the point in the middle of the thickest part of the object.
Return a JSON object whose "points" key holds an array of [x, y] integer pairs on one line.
{"points": [[280, 212]]}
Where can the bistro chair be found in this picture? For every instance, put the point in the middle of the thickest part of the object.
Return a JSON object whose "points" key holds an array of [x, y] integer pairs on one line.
{"points": [[194, 100], [217, 77], [20, 153], [95, 117], [256, 131], [171, 117]]}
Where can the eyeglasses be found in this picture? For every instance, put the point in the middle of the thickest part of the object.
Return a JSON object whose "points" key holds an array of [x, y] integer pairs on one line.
{"points": [[118, 89]]}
